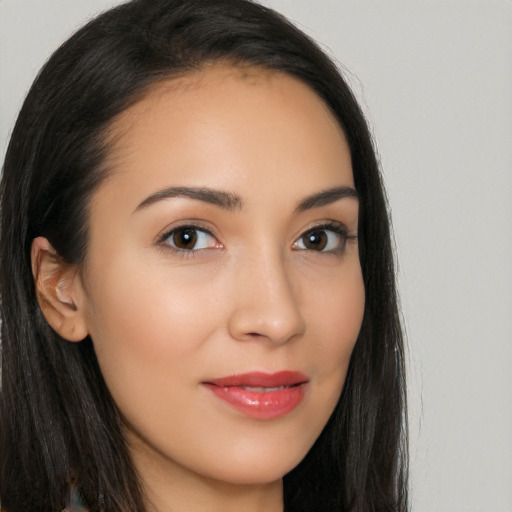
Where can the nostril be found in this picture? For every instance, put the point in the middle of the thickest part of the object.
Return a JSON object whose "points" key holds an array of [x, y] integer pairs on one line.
{"points": [[274, 315]]}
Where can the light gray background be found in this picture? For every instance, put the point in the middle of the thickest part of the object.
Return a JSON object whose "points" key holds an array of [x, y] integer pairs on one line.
{"points": [[436, 80]]}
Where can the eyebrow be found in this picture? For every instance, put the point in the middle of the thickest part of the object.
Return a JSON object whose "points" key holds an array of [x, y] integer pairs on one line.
{"points": [[326, 197], [226, 200], [232, 202]]}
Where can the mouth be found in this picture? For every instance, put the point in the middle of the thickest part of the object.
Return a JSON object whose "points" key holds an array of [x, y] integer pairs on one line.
{"points": [[261, 395]]}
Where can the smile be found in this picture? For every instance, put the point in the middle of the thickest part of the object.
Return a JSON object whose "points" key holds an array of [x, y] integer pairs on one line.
{"points": [[261, 395]]}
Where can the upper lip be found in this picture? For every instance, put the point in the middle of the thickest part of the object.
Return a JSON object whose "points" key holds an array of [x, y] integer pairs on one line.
{"points": [[261, 379]]}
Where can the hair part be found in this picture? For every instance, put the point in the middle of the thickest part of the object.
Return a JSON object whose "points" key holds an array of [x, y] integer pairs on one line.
{"points": [[58, 422]]}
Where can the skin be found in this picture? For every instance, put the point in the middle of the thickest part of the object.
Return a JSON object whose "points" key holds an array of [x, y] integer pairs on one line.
{"points": [[250, 296]]}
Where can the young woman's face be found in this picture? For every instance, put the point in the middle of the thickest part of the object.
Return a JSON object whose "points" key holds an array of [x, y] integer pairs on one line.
{"points": [[222, 287]]}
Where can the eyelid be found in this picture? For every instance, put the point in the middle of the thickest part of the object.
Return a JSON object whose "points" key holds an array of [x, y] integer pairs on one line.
{"points": [[161, 240], [333, 226]]}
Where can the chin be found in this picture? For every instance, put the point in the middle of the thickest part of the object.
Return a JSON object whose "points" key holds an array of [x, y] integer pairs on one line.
{"points": [[258, 464], [259, 473]]}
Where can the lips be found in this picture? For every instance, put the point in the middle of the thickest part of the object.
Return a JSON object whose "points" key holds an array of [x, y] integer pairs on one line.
{"points": [[261, 395]]}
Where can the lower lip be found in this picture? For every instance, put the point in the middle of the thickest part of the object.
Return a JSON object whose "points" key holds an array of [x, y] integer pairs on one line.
{"points": [[263, 405]]}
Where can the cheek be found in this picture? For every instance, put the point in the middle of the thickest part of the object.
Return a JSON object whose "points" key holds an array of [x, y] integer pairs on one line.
{"points": [[336, 317], [143, 303], [148, 328]]}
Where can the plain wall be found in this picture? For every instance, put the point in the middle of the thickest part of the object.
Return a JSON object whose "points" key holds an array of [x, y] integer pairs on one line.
{"points": [[436, 80]]}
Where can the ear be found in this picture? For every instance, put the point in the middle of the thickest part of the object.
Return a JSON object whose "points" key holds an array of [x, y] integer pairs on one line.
{"points": [[59, 291]]}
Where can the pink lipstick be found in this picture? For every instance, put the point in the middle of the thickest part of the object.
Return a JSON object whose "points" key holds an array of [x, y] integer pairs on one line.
{"points": [[261, 395]]}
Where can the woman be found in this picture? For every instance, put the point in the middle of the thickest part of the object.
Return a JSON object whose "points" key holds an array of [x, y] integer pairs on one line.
{"points": [[198, 300]]}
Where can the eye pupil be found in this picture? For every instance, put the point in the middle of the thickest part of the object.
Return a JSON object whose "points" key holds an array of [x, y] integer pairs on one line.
{"points": [[315, 240], [185, 238]]}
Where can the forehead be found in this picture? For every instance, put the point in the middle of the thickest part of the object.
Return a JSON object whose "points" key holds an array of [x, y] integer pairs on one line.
{"points": [[226, 127]]}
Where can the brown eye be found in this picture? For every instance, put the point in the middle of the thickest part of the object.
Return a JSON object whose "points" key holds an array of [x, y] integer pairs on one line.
{"points": [[328, 238], [315, 240], [184, 238], [190, 238]]}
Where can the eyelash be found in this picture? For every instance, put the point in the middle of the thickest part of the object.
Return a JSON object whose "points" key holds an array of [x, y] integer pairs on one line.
{"points": [[333, 227], [163, 240]]}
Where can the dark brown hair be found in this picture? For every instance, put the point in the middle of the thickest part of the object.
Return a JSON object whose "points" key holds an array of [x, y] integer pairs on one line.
{"points": [[58, 422]]}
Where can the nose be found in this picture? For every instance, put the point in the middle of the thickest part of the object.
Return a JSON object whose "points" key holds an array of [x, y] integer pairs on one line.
{"points": [[266, 302]]}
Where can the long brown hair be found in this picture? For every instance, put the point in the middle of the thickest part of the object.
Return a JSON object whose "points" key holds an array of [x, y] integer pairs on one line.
{"points": [[58, 422]]}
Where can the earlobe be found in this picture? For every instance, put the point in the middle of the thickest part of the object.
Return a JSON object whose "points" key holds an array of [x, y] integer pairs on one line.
{"points": [[58, 291]]}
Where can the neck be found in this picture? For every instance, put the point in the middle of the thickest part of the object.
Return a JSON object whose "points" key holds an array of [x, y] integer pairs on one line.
{"points": [[210, 496], [170, 487]]}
